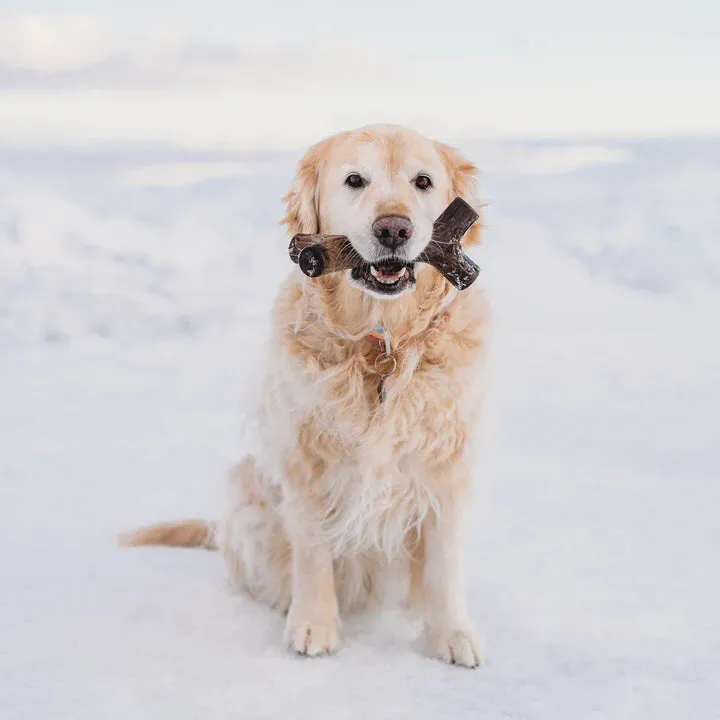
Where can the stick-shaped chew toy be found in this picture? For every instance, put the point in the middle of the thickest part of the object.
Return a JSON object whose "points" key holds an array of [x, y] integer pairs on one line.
{"points": [[321, 254]]}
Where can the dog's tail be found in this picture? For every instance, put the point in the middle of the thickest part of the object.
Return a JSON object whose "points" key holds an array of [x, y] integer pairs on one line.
{"points": [[185, 533]]}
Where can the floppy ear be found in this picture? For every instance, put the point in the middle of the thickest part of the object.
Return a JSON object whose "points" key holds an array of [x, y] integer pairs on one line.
{"points": [[301, 201], [464, 176]]}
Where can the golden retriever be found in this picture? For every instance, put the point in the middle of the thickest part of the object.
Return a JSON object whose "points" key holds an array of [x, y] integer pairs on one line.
{"points": [[363, 470]]}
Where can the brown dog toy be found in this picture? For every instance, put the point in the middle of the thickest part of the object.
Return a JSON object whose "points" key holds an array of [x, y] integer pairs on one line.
{"points": [[321, 254]]}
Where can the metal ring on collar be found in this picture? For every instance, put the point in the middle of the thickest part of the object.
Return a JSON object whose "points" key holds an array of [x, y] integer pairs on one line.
{"points": [[383, 358]]}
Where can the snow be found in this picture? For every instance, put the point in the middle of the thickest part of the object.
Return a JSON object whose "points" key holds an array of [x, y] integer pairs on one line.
{"points": [[131, 318]]}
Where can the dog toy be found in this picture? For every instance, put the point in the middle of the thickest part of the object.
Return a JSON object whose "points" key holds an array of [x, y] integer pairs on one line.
{"points": [[321, 254]]}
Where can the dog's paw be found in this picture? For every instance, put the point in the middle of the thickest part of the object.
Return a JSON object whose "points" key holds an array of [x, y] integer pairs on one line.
{"points": [[312, 638], [457, 647]]}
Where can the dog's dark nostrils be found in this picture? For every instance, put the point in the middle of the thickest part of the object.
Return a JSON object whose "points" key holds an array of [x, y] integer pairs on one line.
{"points": [[392, 230]]}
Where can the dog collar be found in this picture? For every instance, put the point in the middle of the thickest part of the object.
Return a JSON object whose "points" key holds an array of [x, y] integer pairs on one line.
{"points": [[380, 333], [385, 362]]}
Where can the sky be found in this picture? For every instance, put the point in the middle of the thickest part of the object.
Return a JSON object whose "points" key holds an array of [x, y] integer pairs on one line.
{"points": [[239, 74]]}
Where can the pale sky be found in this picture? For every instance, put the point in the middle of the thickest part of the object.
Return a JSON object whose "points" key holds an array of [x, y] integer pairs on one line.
{"points": [[224, 73]]}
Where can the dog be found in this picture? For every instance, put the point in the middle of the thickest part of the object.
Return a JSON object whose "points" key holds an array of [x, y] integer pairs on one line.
{"points": [[369, 406]]}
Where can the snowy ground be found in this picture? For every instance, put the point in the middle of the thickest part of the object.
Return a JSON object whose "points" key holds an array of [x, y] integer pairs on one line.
{"points": [[134, 288]]}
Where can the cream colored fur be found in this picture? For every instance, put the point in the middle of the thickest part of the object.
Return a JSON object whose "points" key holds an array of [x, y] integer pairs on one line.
{"points": [[356, 493]]}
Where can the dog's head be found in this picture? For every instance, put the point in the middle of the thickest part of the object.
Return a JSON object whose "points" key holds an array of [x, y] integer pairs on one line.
{"points": [[382, 187]]}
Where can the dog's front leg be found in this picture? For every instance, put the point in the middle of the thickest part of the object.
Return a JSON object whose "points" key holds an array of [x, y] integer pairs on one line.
{"points": [[438, 581], [313, 620]]}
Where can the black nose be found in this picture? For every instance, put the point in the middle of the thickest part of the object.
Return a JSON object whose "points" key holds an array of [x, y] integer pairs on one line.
{"points": [[393, 230]]}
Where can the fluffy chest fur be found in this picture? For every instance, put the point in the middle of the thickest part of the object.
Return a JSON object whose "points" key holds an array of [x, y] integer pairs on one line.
{"points": [[373, 463]]}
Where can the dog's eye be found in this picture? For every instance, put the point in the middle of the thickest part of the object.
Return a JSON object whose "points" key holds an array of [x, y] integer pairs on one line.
{"points": [[355, 181], [423, 182]]}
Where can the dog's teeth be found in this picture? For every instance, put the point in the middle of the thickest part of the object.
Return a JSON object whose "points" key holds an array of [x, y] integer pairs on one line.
{"points": [[388, 279]]}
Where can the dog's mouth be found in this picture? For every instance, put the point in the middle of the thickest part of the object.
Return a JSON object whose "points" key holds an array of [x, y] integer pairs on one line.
{"points": [[385, 277]]}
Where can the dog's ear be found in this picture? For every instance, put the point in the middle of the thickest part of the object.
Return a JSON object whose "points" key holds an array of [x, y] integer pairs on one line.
{"points": [[464, 177], [301, 201]]}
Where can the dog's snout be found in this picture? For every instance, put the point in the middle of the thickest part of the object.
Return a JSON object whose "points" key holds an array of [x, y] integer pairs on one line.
{"points": [[393, 230]]}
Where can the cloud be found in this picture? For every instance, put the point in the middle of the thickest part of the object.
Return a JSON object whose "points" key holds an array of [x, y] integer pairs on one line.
{"points": [[80, 52], [74, 79], [36, 44]]}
